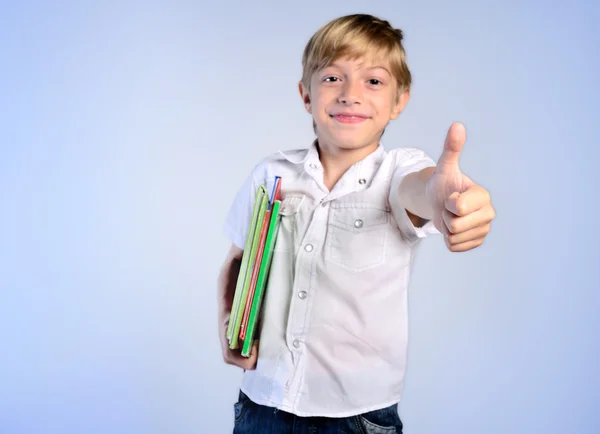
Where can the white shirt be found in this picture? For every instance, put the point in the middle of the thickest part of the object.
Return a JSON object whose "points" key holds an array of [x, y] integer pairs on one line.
{"points": [[334, 332]]}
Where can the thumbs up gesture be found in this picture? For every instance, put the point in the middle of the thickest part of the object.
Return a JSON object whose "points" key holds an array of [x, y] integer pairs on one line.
{"points": [[462, 210]]}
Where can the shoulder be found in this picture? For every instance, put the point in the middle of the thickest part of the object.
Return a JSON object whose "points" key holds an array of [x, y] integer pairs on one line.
{"points": [[402, 161], [292, 156], [408, 155], [277, 162]]}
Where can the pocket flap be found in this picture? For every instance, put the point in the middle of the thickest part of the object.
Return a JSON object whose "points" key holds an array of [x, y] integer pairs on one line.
{"points": [[359, 217]]}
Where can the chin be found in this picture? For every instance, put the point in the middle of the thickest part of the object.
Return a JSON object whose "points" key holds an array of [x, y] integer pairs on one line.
{"points": [[347, 137], [350, 142], [351, 146]]}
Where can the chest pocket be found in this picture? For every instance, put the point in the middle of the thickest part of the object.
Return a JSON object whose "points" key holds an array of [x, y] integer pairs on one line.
{"points": [[287, 234], [357, 236]]}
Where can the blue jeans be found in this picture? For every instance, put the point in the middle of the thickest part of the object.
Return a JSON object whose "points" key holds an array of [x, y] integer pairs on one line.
{"points": [[252, 418]]}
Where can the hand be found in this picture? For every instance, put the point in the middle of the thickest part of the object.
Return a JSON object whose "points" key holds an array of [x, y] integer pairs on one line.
{"points": [[462, 210], [234, 357]]}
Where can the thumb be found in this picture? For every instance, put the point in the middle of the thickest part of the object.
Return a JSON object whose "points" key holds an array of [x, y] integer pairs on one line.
{"points": [[455, 140]]}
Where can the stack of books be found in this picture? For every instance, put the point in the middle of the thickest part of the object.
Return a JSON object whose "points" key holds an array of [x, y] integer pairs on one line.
{"points": [[254, 270]]}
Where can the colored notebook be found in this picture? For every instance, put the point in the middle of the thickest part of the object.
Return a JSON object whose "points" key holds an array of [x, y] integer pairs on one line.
{"points": [[254, 270], [245, 273], [255, 308]]}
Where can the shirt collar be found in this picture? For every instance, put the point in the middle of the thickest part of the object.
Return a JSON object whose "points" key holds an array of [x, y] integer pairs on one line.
{"points": [[366, 168], [358, 176], [302, 156]]}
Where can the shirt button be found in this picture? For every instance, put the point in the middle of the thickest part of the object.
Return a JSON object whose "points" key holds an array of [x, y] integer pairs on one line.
{"points": [[358, 223], [296, 343], [312, 165], [362, 181], [302, 294], [308, 247]]}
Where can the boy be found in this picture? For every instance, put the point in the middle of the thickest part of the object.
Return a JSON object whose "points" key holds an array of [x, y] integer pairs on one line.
{"points": [[333, 341]]}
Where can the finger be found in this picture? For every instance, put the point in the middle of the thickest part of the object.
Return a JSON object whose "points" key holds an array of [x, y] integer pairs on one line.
{"points": [[457, 225], [451, 204], [470, 235], [455, 140], [250, 363], [463, 247], [235, 358], [246, 362], [471, 200]]}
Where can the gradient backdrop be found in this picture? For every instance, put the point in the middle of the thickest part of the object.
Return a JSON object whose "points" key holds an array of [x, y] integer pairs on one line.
{"points": [[127, 127]]}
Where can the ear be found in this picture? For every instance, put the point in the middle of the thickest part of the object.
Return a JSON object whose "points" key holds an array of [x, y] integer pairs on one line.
{"points": [[403, 98], [305, 94]]}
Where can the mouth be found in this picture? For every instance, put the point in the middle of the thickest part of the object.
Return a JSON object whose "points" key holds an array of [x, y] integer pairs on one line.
{"points": [[349, 118]]}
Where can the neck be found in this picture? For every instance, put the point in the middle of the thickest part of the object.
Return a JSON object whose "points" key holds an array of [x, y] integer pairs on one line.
{"points": [[337, 161]]}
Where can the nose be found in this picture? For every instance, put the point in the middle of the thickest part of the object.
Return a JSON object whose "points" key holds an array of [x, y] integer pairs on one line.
{"points": [[351, 93]]}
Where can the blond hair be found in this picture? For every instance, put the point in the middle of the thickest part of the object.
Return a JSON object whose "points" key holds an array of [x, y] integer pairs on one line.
{"points": [[357, 36]]}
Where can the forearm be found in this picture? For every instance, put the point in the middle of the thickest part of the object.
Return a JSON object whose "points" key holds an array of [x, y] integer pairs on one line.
{"points": [[227, 281], [411, 193]]}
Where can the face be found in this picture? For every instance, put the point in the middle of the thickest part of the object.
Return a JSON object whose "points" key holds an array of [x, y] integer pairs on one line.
{"points": [[351, 102]]}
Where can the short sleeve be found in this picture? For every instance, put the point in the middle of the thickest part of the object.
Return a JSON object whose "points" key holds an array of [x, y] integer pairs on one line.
{"points": [[410, 160], [238, 218]]}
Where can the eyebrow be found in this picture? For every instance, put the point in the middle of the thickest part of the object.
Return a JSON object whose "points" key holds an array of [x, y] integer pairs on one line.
{"points": [[335, 65], [380, 67]]}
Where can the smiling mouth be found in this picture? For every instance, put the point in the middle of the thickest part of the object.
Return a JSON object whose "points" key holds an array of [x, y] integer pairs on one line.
{"points": [[349, 118]]}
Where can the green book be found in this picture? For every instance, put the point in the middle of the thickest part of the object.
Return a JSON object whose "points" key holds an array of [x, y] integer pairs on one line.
{"points": [[248, 259], [245, 261], [255, 309]]}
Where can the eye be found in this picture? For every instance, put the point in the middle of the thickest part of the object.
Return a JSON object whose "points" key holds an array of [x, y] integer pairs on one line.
{"points": [[330, 79], [374, 82]]}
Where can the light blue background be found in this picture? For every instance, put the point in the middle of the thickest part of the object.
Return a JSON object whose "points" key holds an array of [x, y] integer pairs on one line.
{"points": [[119, 124]]}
